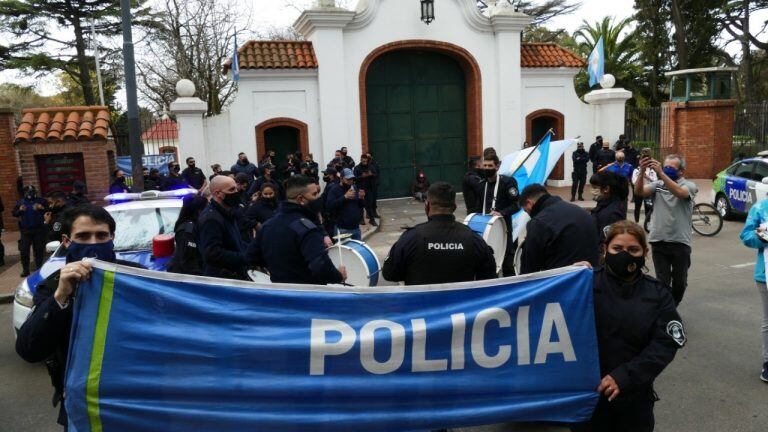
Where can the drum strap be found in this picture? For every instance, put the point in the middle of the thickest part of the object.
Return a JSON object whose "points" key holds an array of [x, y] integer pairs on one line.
{"points": [[495, 193]]}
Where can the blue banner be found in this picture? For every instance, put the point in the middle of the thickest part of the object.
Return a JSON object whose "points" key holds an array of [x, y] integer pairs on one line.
{"points": [[159, 161], [168, 352]]}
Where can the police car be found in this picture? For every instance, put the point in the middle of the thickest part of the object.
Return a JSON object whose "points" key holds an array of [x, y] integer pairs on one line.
{"points": [[741, 185], [139, 217]]}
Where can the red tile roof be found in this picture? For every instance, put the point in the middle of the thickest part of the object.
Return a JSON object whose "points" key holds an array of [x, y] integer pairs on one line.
{"points": [[165, 129], [275, 55], [63, 123], [548, 55], [301, 55]]}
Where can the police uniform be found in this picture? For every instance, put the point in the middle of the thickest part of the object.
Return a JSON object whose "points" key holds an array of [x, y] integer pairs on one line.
{"points": [[506, 203], [33, 230], [290, 245], [186, 256], [439, 251], [638, 333], [221, 244], [194, 176]]}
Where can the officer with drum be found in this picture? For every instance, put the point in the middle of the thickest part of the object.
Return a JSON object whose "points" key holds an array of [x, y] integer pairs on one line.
{"points": [[498, 195], [290, 244], [440, 250]]}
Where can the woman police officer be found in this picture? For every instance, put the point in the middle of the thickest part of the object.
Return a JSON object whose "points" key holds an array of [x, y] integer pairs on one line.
{"points": [[638, 333]]}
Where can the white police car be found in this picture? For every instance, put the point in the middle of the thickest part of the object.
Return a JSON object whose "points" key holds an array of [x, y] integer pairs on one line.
{"points": [[139, 217], [741, 185]]}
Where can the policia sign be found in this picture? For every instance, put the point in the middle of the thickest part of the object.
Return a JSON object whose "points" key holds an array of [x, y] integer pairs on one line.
{"points": [[185, 353]]}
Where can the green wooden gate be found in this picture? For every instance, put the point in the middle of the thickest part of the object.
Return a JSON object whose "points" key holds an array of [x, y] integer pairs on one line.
{"points": [[416, 110]]}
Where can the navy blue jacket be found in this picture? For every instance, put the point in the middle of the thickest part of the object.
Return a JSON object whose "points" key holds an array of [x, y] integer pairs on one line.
{"points": [[169, 182], [346, 213], [291, 246], [220, 243], [30, 219], [248, 168]]}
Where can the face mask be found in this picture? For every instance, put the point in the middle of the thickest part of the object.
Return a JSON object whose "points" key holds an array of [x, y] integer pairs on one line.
{"points": [[232, 200], [191, 165], [596, 194], [244, 161], [121, 179], [623, 264], [103, 251], [326, 179], [489, 172], [620, 160], [31, 195], [176, 169], [480, 172], [671, 172]]}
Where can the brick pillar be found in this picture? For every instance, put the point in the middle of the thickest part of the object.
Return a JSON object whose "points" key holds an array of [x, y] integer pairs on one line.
{"points": [[702, 132], [9, 167]]}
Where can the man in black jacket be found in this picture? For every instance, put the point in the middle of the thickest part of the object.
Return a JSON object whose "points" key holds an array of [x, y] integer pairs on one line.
{"points": [[346, 202], [194, 175], [593, 149], [88, 232], [31, 210], [498, 195], [470, 184], [221, 243], [579, 177], [440, 250], [605, 156], [366, 176], [291, 245], [559, 233]]}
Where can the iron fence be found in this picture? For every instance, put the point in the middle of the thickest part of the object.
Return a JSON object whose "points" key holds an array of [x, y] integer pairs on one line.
{"points": [[750, 127], [643, 127], [158, 135]]}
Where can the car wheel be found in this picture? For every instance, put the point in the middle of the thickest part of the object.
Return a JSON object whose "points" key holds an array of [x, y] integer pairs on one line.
{"points": [[723, 206]]}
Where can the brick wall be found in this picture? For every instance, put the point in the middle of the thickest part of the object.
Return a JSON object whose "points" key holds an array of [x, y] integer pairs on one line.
{"points": [[701, 131], [95, 162], [9, 167]]}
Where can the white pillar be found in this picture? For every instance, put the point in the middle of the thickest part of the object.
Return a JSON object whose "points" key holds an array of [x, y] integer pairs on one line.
{"points": [[189, 112], [324, 26], [508, 25], [609, 105]]}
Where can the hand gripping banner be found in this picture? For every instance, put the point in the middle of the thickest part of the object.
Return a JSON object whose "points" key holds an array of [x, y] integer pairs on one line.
{"points": [[168, 352]]}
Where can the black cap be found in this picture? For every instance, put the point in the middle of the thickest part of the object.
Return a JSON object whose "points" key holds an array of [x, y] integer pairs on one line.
{"points": [[242, 178], [331, 171]]}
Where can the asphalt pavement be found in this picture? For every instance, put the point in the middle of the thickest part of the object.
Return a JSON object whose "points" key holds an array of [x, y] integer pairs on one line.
{"points": [[712, 385]]}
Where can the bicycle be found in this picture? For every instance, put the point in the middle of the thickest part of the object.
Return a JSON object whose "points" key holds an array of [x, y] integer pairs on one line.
{"points": [[705, 219]]}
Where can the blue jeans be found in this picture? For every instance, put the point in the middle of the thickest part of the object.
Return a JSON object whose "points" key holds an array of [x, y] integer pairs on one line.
{"points": [[356, 235]]}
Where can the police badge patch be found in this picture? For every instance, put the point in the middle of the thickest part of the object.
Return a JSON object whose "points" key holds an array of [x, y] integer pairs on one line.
{"points": [[675, 330], [513, 192]]}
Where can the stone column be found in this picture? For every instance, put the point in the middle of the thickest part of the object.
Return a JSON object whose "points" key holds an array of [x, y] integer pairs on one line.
{"points": [[9, 167], [324, 26], [189, 112], [609, 107], [508, 25]]}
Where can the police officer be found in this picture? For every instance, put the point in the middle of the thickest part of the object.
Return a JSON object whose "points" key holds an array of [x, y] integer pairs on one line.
{"points": [[194, 175], [440, 250], [580, 158], [469, 185], [31, 210], [498, 195], [88, 232], [221, 244], [290, 245], [57, 203], [173, 180], [638, 333]]}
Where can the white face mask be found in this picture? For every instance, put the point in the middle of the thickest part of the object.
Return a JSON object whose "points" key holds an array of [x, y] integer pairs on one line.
{"points": [[596, 193]]}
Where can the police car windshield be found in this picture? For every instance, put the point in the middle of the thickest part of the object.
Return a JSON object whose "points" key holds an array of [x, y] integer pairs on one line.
{"points": [[137, 227]]}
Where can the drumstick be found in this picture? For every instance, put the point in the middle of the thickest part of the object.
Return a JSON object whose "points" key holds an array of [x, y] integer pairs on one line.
{"points": [[338, 234]]}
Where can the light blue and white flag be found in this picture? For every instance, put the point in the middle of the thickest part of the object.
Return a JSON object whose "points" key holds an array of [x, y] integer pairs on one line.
{"points": [[532, 165], [235, 63], [596, 66], [167, 352]]}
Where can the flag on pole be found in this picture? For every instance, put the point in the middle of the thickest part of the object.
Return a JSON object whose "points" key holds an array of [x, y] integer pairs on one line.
{"points": [[596, 66], [235, 63], [532, 165]]}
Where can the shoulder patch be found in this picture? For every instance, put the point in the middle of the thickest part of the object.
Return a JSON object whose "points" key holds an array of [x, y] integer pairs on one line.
{"points": [[676, 332], [513, 191], [302, 226]]}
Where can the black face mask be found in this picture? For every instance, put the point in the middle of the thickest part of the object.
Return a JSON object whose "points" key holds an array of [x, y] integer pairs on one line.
{"points": [[327, 179], [623, 264], [244, 161], [120, 179], [191, 165], [176, 169], [489, 173], [232, 200]]}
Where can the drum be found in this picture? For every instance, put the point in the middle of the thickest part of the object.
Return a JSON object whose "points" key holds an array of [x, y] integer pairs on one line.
{"points": [[361, 262], [493, 229], [259, 277]]}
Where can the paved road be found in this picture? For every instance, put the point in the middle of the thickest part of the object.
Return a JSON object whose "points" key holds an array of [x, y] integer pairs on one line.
{"points": [[712, 385]]}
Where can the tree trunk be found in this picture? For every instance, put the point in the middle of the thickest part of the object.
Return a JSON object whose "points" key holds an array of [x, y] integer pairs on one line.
{"points": [[746, 56], [680, 43], [82, 63]]}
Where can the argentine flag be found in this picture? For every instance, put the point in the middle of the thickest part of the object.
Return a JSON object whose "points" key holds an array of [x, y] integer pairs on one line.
{"points": [[596, 66], [532, 165], [235, 63]]}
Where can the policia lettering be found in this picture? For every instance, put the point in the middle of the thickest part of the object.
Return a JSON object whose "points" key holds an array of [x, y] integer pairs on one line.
{"points": [[330, 337]]}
